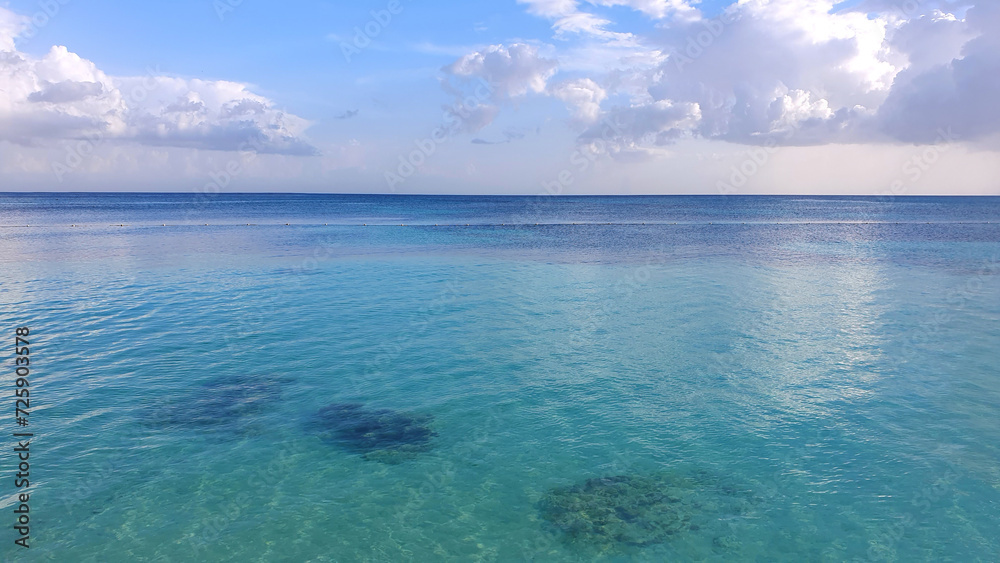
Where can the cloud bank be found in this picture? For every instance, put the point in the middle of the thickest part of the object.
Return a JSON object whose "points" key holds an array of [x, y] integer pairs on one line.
{"points": [[62, 96], [788, 72]]}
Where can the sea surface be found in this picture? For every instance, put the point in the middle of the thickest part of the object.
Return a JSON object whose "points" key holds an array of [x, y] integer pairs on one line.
{"points": [[405, 378]]}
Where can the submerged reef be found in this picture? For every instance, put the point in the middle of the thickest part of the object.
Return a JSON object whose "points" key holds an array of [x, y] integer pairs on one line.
{"points": [[226, 402], [377, 434], [641, 509]]}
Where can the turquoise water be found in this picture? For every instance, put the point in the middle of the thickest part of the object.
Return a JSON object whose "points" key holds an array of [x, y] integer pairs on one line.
{"points": [[810, 379]]}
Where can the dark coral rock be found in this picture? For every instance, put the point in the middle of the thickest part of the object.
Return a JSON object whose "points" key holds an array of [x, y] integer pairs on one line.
{"points": [[630, 509], [638, 510], [229, 401], [377, 434]]}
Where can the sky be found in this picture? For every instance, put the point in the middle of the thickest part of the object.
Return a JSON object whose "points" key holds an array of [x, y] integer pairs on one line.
{"points": [[867, 97]]}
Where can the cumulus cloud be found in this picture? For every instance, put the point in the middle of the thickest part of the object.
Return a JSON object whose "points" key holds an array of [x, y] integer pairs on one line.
{"points": [[513, 71], [927, 40], [796, 72], [63, 96], [768, 69], [658, 124], [583, 95], [959, 96], [11, 25], [494, 75], [66, 91]]}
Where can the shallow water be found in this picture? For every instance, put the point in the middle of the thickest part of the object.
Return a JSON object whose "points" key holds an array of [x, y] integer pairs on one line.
{"points": [[830, 362]]}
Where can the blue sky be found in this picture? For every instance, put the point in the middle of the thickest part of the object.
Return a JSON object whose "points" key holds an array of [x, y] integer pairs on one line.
{"points": [[763, 96]]}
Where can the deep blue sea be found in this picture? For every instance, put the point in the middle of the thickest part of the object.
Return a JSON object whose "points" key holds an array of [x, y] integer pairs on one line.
{"points": [[410, 378]]}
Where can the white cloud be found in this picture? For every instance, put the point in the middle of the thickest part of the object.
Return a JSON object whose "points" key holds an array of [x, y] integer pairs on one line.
{"points": [[794, 71], [513, 71], [63, 96], [789, 111], [11, 25], [959, 96], [569, 20], [928, 40], [495, 74], [763, 49], [658, 123], [657, 9], [550, 8], [583, 95]]}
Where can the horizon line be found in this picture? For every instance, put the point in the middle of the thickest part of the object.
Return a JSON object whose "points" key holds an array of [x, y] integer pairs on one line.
{"points": [[540, 195]]}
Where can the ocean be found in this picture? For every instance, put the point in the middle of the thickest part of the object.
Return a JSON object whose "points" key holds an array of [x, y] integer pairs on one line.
{"points": [[265, 377]]}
